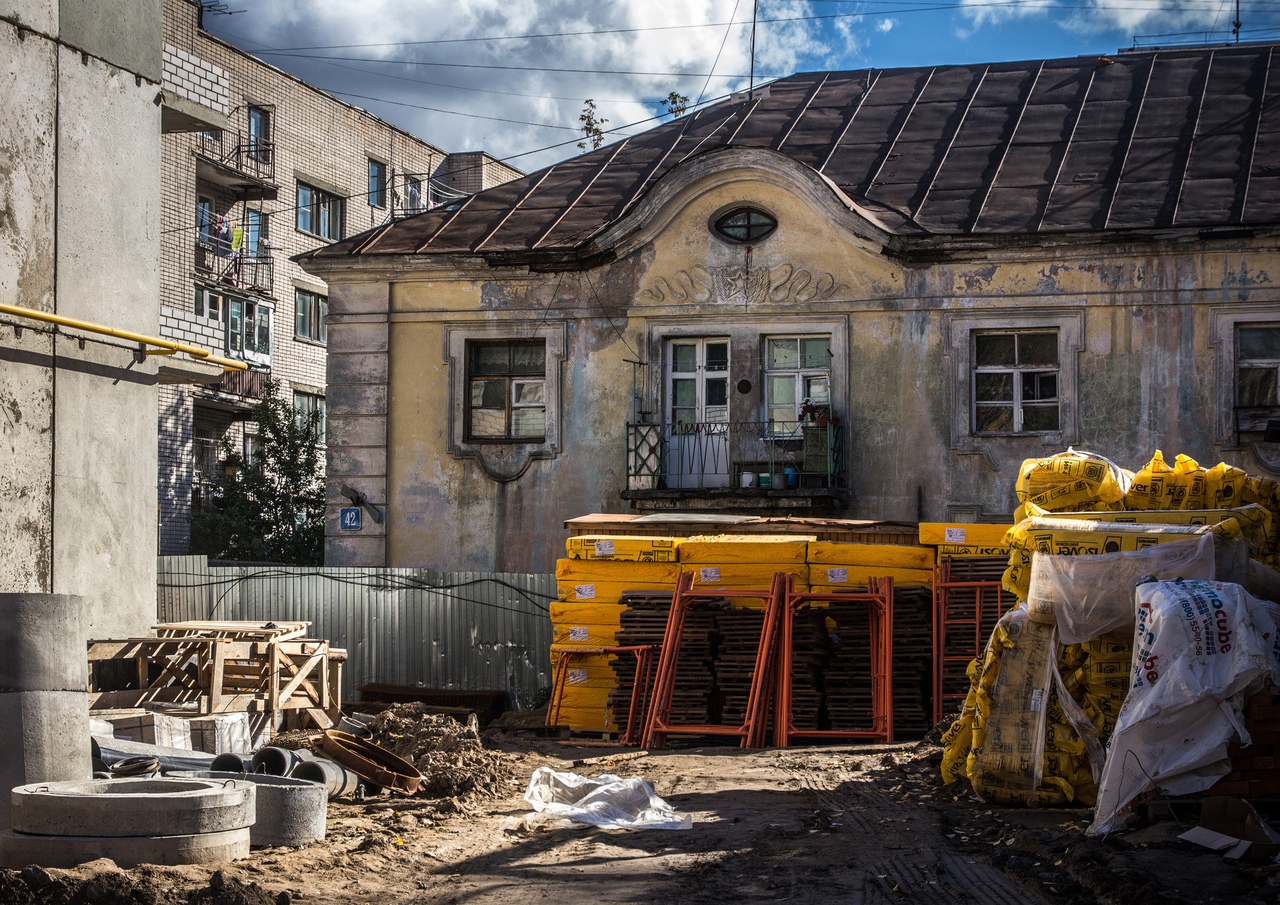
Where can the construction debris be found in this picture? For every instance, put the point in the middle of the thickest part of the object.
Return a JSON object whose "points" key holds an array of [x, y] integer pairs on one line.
{"points": [[450, 755]]}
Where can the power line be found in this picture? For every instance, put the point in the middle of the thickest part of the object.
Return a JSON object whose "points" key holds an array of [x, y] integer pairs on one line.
{"points": [[558, 69], [496, 119]]}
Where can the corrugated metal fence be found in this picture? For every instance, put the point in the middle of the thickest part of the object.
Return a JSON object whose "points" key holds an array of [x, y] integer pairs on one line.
{"points": [[465, 631]]}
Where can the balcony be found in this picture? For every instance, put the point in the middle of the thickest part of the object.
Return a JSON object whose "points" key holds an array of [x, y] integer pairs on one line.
{"points": [[746, 466], [247, 168], [215, 260], [250, 384]]}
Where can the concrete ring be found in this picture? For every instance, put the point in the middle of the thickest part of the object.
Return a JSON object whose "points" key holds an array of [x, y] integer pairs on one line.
{"points": [[133, 807], [17, 850], [290, 811]]}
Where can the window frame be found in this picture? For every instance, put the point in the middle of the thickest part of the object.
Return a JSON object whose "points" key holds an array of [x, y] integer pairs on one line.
{"points": [[800, 373], [317, 311], [258, 137], [304, 404], [767, 221], [239, 313], [377, 183], [413, 195], [204, 305], [1019, 373], [1240, 362], [206, 214], [511, 379], [319, 204], [504, 462], [959, 328]]}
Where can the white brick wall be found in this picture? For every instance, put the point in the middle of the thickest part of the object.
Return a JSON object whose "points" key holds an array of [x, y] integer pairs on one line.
{"points": [[195, 79]]}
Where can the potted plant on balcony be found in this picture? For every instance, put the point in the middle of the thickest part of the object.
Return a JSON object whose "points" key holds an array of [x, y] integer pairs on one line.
{"points": [[816, 413]]}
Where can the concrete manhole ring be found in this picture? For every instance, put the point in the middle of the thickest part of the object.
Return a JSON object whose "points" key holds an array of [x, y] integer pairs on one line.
{"points": [[289, 811], [17, 850], [154, 806]]}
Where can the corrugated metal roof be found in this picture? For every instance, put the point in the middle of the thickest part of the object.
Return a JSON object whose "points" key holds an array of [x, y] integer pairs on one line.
{"points": [[1184, 138]]}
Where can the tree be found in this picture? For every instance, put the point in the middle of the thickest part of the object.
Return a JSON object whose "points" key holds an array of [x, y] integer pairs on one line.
{"points": [[676, 103], [269, 509], [594, 135]]}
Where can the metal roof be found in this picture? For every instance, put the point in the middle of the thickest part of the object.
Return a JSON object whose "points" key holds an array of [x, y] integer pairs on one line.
{"points": [[1161, 139]]}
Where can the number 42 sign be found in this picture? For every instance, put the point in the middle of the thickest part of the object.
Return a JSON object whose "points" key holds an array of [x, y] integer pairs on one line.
{"points": [[349, 518]]}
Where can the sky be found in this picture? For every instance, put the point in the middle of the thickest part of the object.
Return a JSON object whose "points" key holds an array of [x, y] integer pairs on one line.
{"points": [[511, 77]]}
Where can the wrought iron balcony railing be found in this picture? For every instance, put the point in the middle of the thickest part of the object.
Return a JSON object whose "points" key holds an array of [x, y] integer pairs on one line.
{"points": [[215, 259], [748, 456], [252, 157]]}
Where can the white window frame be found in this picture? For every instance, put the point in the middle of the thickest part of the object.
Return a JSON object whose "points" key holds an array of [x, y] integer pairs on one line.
{"points": [[1235, 427], [317, 312], [378, 183], [209, 302], [241, 311], [413, 195], [1019, 373], [206, 213], [960, 328], [801, 374]]}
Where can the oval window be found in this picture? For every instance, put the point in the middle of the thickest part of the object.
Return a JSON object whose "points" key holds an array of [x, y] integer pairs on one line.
{"points": [[745, 224]]}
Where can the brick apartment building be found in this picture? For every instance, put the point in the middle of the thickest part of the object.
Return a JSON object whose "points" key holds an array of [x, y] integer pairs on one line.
{"points": [[258, 166]]}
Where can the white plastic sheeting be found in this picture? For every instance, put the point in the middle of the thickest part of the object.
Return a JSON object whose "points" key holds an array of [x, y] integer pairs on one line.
{"points": [[1198, 646], [607, 801]]}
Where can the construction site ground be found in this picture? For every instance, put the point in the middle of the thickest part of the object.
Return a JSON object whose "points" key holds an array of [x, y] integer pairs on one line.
{"points": [[855, 824]]}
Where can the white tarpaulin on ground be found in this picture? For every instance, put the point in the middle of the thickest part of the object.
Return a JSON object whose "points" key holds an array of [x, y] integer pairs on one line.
{"points": [[607, 801], [1197, 646]]}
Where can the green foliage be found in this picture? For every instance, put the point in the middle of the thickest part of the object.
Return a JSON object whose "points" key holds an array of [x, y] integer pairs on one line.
{"points": [[591, 126], [676, 103], [272, 508]]}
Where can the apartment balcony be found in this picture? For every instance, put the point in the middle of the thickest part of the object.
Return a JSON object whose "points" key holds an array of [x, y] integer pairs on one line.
{"points": [[743, 466], [214, 260], [248, 168], [250, 384]]}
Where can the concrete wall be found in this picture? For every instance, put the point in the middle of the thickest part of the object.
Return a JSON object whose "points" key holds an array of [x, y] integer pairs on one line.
{"points": [[79, 144], [1145, 330]]}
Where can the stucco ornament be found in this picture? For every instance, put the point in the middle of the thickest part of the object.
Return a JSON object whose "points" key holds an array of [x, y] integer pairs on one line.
{"points": [[732, 284]]}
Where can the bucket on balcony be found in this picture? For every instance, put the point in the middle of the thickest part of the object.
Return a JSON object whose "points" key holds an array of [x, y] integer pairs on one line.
{"points": [[748, 479], [793, 477], [764, 480]]}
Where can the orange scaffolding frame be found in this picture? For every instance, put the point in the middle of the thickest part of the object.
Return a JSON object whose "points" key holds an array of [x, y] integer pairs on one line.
{"points": [[949, 649], [751, 733], [879, 600], [640, 688]]}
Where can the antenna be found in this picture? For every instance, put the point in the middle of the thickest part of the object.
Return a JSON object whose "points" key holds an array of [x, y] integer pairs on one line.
{"points": [[755, 8], [1235, 26]]}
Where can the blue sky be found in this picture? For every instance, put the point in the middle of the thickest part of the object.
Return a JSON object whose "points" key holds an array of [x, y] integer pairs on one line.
{"points": [[510, 76]]}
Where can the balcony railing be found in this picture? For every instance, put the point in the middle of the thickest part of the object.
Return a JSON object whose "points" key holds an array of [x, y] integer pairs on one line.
{"points": [[248, 384], [215, 260], [255, 158], [747, 456]]}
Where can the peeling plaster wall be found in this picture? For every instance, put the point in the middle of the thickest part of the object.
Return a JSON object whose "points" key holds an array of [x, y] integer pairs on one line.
{"points": [[79, 236], [1138, 320]]}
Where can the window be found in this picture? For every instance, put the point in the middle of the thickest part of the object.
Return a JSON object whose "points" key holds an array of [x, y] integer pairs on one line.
{"points": [[506, 391], [412, 195], [255, 233], [312, 307], [307, 406], [319, 213], [208, 302], [204, 219], [259, 146], [1257, 365], [745, 224], [249, 329], [796, 369], [377, 183], [1015, 382]]}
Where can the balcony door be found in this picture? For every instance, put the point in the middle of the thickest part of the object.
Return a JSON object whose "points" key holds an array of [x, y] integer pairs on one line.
{"points": [[698, 413]]}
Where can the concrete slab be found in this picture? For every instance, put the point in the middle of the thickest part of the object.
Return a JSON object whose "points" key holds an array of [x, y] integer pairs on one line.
{"points": [[17, 850]]}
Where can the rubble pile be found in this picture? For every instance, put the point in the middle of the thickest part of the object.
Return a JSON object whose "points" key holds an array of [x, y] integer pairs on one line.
{"points": [[450, 755]]}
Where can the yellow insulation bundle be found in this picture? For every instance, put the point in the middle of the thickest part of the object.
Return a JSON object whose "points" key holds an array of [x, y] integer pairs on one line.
{"points": [[940, 534], [1071, 482], [584, 703], [620, 548], [744, 548], [582, 571], [1002, 735], [1074, 537], [889, 556], [1256, 523], [743, 575], [827, 578]]}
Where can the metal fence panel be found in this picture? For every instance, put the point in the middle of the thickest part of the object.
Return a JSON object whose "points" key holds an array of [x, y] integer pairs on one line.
{"points": [[462, 631]]}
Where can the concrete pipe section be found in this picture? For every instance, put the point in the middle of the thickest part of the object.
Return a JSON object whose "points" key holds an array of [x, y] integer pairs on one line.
{"points": [[289, 811], [131, 821], [44, 707]]}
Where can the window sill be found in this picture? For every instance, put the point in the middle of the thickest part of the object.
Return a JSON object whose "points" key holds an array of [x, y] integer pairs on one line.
{"points": [[307, 340], [312, 235], [505, 441], [810, 500]]}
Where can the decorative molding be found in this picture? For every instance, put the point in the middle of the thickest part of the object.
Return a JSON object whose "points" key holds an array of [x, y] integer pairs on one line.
{"points": [[503, 462], [730, 285]]}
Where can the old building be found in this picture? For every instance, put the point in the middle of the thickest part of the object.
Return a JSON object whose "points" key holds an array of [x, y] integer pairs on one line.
{"points": [[287, 169], [865, 294]]}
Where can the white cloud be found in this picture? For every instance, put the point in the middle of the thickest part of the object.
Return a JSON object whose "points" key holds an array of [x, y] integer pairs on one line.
{"points": [[529, 93], [884, 26], [1124, 16]]}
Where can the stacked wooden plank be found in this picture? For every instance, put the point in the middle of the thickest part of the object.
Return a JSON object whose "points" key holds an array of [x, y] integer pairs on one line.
{"points": [[225, 667]]}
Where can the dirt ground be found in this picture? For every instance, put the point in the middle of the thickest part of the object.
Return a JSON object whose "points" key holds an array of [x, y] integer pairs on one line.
{"points": [[855, 824]]}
